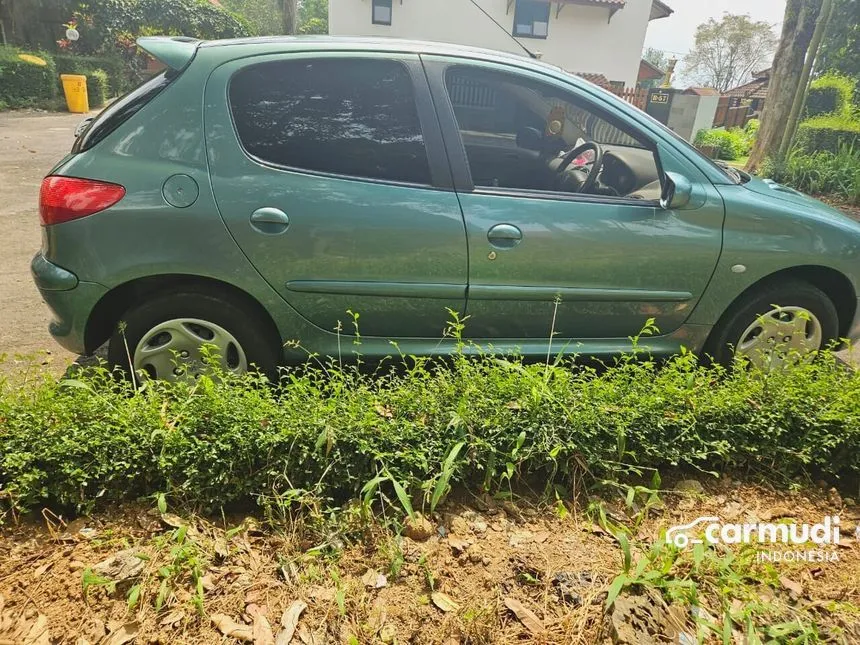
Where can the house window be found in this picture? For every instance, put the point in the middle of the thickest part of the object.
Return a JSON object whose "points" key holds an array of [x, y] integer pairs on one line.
{"points": [[381, 12], [531, 19]]}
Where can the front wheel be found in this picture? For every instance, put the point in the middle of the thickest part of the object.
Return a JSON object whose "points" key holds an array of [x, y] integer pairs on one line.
{"points": [[775, 325], [163, 338]]}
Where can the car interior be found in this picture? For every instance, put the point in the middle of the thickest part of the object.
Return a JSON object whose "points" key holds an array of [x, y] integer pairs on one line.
{"points": [[521, 135]]}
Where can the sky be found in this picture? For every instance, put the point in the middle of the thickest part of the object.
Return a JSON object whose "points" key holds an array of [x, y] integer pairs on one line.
{"points": [[675, 34]]}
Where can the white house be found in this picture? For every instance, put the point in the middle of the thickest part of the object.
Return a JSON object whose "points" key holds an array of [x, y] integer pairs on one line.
{"points": [[584, 36]]}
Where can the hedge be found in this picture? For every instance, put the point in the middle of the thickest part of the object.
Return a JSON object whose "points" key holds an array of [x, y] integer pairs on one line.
{"points": [[829, 132], [118, 72], [26, 83], [326, 433], [830, 94], [729, 144]]}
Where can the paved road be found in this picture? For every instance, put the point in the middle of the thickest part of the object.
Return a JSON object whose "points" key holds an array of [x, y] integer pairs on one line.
{"points": [[31, 143]]}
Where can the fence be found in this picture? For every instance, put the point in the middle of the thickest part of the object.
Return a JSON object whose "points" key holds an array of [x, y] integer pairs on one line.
{"points": [[636, 96], [730, 113]]}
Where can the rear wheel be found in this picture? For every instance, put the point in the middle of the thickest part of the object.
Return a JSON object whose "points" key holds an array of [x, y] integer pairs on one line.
{"points": [[775, 325], [163, 338]]}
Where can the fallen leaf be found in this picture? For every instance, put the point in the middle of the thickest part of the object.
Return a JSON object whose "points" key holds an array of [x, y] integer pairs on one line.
{"points": [[39, 633], [289, 620], [172, 520], [795, 589], [171, 618], [374, 579], [525, 615], [383, 411], [122, 565], [540, 538], [262, 631], [444, 601], [322, 594], [231, 628], [40, 571], [124, 634], [208, 582], [458, 544]]}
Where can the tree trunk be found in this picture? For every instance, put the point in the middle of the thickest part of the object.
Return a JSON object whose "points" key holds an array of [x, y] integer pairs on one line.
{"points": [[291, 16], [797, 30], [802, 88]]}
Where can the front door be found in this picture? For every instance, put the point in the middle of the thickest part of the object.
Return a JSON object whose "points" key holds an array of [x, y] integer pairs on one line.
{"points": [[329, 172], [561, 204]]}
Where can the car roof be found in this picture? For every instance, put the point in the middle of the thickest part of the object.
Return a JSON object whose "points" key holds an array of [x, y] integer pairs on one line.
{"points": [[367, 43]]}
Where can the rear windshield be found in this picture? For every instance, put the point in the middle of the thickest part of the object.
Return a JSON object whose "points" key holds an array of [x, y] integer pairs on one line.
{"points": [[121, 110]]}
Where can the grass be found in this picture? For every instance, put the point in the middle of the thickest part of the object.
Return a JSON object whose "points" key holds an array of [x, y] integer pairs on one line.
{"points": [[836, 175]]}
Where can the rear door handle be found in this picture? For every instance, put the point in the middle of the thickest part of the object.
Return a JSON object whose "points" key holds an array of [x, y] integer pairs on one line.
{"points": [[504, 236], [269, 221]]}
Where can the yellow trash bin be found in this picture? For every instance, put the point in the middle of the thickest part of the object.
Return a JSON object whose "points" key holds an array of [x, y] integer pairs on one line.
{"points": [[75, 89]]}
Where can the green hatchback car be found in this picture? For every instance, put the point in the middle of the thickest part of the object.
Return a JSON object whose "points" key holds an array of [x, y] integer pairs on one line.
{"points": [[262, 191]]}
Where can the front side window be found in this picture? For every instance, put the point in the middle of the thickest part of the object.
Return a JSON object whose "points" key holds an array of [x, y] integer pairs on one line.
{"points": [[531, 19], [381, 12], [526, 135], [343, 116]]}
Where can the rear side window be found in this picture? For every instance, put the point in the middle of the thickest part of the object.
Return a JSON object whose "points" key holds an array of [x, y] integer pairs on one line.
{"points": [[352, 117], [121, 110]]}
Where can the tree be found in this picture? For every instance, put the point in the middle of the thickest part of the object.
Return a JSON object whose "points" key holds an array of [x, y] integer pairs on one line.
{"points": [[657, 57], [840, 48], [729, 50], [263, 16], [785, 74], [290, 9]]}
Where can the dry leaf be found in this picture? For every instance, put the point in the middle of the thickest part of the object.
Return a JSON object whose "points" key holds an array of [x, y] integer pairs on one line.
{"points": [[540, 538], [2, 603], [289, 620], [172, 520], [525, 615], [374, 579], [172, 618], [457, 543], [383, 410], [262, 631], [39, 572], [38, 634], [124, 634], [444, 601], [795, 589], [208, 582], [231, 628]]}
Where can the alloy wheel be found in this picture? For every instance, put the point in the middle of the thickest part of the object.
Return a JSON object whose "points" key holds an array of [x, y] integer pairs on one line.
{"points": [[782, 335]]}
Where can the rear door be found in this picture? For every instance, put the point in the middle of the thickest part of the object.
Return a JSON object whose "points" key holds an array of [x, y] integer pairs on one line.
{"points": [[330, 172]]}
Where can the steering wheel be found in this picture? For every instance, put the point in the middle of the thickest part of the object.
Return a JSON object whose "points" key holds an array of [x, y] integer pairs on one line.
{"points": [[568, 158]]}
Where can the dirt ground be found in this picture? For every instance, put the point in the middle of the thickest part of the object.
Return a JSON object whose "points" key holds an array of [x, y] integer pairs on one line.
{"points": [[484, 571], [30, 144]]}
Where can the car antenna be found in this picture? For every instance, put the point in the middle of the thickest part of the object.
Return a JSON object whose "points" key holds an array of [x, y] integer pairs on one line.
{"points": [[495, 22]]}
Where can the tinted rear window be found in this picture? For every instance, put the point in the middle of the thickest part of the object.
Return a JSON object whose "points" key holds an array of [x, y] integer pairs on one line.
{"points": [[121, 110], [343, 116]]}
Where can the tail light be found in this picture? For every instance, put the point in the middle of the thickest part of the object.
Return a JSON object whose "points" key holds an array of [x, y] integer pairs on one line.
{"points": [[63, 199]]}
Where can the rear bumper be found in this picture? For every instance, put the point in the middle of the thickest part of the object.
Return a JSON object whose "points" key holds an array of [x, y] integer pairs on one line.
{"points": [[69, 299]]}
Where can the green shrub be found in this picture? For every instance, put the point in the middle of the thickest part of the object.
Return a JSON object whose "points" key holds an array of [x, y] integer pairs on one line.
{"points": [[820, 173], [751, 128], [327, 432], [120, 76], [729, 144], [829, 133], [830, 94], [23, 83], [97, 88]]}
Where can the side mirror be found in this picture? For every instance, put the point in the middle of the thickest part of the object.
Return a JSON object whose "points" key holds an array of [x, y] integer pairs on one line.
{"points": [[676, 191]]}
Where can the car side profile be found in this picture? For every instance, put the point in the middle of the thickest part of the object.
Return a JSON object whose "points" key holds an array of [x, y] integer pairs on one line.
{"points": [[268, 190]]}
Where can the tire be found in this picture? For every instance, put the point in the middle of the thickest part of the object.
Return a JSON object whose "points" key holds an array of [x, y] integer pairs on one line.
{"points": [[188, 318], [758, 307]]}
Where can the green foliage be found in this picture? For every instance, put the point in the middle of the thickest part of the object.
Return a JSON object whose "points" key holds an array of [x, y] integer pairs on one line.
{"points": [[751, 128], [264, 17], [313, 17], [829, 132], [819, 173], [116, 68], [107, 25], [23, 83], [830, 94], [729, 144], [840, 48], [479, 422]]}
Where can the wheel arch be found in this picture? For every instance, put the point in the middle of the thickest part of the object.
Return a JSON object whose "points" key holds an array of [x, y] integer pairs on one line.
{"points": [[836, 285], [109, 310]]}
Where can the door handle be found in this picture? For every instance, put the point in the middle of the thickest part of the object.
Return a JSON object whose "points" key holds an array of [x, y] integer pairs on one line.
{"points": [[504, 236], [269, 221]]}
